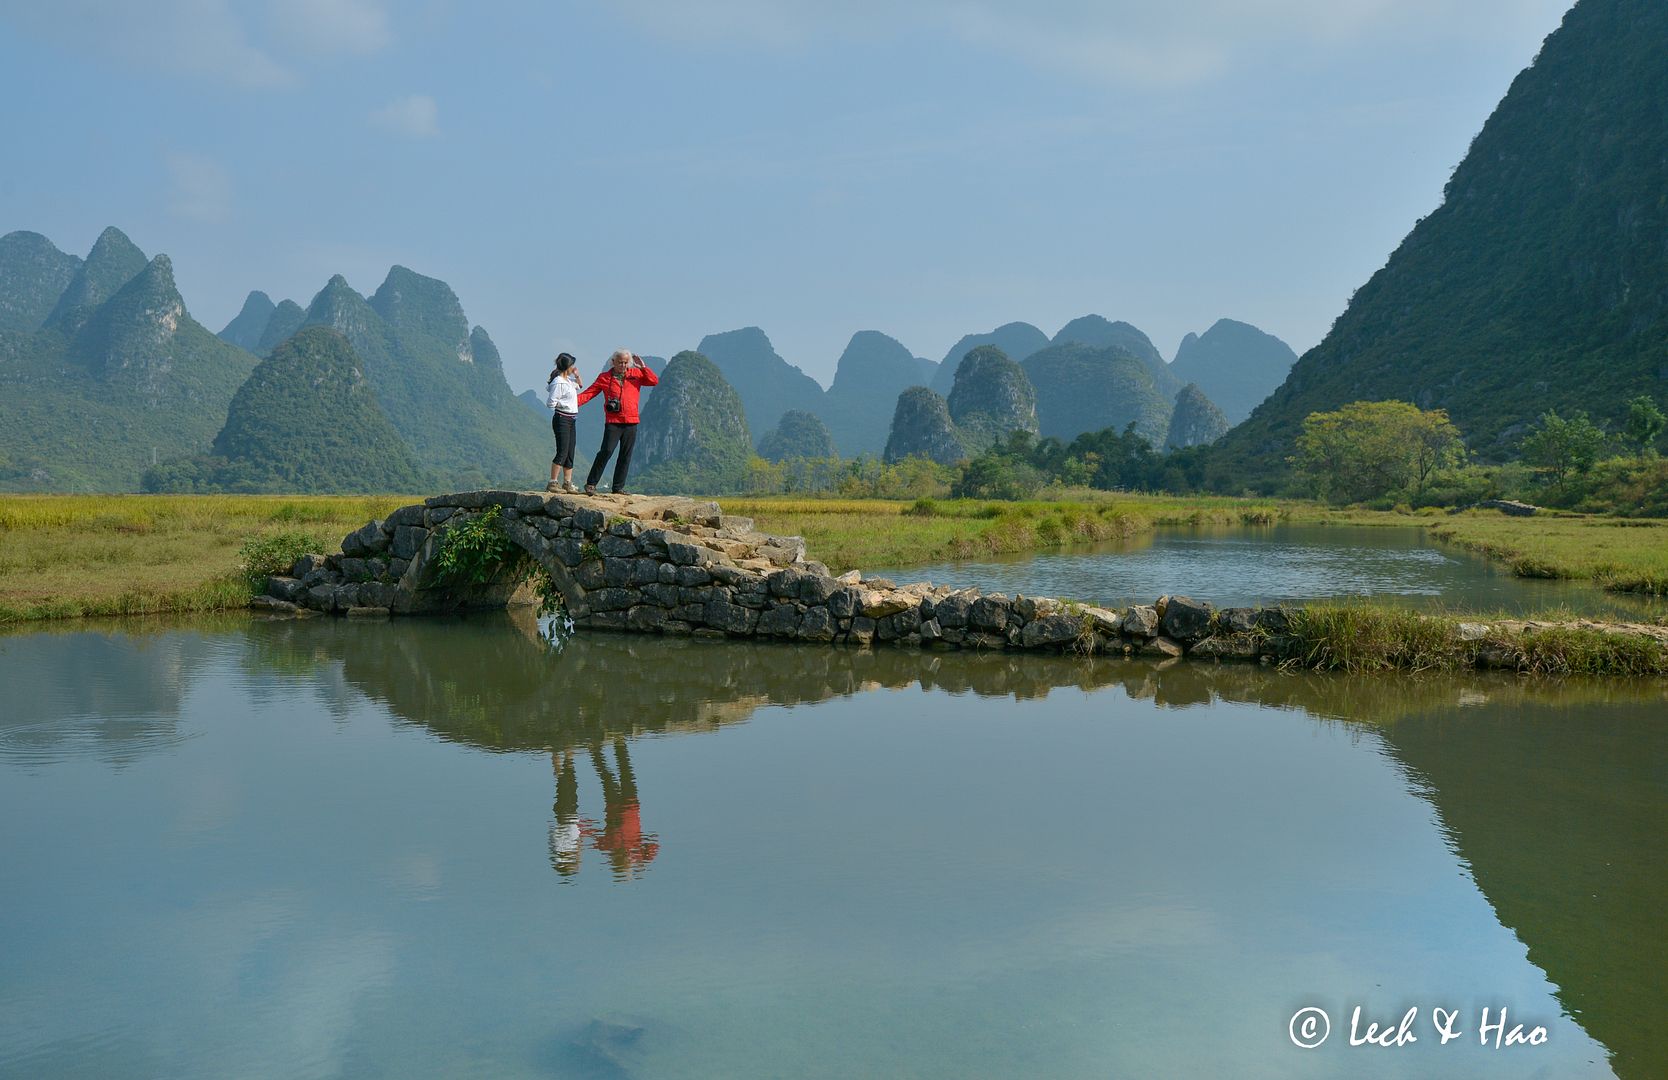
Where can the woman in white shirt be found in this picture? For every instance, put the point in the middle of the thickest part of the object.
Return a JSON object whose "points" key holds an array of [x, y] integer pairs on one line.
{"points": [[561, 393]]}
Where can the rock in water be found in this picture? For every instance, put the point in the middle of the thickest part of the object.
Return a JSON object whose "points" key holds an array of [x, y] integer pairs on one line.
{"points": [[1195, 421], [921, 427], [990, 398]]}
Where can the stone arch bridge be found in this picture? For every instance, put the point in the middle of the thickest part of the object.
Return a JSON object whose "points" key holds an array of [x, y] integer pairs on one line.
{"points": [[673, 565]]}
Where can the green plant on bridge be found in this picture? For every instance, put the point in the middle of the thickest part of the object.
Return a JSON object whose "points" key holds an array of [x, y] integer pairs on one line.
{"points": [[474, 550]]}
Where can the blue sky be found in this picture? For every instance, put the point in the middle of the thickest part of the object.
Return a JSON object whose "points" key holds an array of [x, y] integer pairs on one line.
{"points": [[647, 172]]}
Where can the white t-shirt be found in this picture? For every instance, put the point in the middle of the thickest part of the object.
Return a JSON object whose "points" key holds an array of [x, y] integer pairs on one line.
{"points": [[562, 394]]}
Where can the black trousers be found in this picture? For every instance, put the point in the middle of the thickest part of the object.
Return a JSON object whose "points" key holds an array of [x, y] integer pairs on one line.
{"points": [[625, 437], [561, 425]]}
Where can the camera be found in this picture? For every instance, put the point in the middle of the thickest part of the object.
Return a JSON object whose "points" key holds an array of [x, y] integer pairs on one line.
{"points": [[611, 404]]}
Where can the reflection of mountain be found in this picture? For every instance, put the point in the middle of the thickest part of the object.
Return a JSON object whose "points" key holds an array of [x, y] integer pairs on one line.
{"points": [[112, 696], [1558, 813]]}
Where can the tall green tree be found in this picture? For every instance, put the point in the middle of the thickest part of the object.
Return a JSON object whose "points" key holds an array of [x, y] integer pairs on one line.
{"points": [[1564, 446], [1644, 425], [1370, 449]]}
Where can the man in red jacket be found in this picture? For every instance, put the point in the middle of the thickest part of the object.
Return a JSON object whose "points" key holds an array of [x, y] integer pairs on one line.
{"points": [[619, 388]]}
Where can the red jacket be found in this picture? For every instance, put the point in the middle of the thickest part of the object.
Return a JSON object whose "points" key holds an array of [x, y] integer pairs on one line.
{"points": [[623, 387]]}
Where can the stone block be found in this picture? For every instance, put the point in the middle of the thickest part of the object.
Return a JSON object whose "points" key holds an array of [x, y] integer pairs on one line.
{"points": [[353, 569], [666, 595], [628, 528], [617, 547], [1161, 647], [440, 515], [284, 588], [1141, 621], [408, 540], [590, 522], [779, 621], [529, 502], [692, 576], [1186, 619], [692, 555], [989, 613], [1051, 631], [475, 500], [730, 618], [366, 540], [567, 550], [306, 565], [817, 588], [646, 617], [613, 599], [589, 575], [405, 515], [952, 611], [784, 583], [862, 630], [816, 625]]}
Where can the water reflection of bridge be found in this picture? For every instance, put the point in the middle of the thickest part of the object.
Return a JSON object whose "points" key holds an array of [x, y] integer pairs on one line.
{"points": [[1510, 764], [1553, 793]]}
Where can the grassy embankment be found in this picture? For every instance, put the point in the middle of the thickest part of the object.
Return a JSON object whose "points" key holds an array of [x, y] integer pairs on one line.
{"points": [[860, 533], [65, 556], [71, 555]]}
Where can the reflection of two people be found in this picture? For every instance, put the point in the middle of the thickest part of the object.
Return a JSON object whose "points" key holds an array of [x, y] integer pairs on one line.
{"points": [[620, 837]]}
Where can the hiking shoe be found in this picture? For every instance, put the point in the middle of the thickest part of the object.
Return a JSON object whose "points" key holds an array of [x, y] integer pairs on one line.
{"points": [[554, 486], [590, 489], [621, 491], [567, 486]]}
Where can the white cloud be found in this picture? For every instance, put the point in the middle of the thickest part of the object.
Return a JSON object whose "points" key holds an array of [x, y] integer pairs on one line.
{"points": [[415, 116], [331, 26], [1118, 41], [203, 38], [201, 190]]}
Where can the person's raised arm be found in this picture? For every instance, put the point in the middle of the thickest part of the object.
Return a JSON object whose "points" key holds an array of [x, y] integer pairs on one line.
{"points": [[643, 374], [591, 391]]}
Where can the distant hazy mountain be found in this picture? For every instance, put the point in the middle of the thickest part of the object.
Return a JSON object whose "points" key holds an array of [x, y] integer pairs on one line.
{"points": [[1195, 421], [33, 275], [693, 435], [1541, 282], [921, 427], [286, 319], [992, 397], [1017, 340], [769, 386], [246, 329], [798, 435], [117, 378], [450, 405], [1235, 364], [1102, 333], [1082, 388], [871, 372], [113, 262], [305, 420]]}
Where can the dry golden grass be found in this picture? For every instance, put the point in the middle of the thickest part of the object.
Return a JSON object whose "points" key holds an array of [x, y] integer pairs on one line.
{"points": [[68, 555]]}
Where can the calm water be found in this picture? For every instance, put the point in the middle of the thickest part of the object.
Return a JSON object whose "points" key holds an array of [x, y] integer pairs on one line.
{"points": [[438, 848], [1247, 566]]}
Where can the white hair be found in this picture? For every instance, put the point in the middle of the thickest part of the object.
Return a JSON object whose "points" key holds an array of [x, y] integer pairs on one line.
{"points": [[619, 354]]}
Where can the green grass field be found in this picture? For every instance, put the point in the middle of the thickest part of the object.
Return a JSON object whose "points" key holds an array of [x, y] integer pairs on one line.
{"points": [[76, 555]]}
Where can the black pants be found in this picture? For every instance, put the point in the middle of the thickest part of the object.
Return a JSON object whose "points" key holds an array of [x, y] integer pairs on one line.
{"points": [[561, 425], [625, 437]]}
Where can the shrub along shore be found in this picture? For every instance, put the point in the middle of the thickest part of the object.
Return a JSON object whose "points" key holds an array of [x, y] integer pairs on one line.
{"points": [[68, 556]]}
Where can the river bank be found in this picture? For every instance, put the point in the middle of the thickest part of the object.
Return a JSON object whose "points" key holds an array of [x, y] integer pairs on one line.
{"points": [[66, 556]]}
